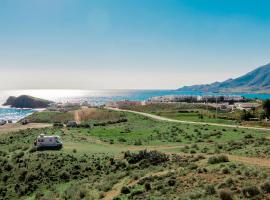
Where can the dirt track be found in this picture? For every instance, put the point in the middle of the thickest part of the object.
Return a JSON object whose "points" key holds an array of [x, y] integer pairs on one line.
{"points": [[116, 190], [7, 128], [156, 117]]}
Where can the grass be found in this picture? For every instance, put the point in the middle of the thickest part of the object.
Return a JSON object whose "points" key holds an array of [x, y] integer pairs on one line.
{"points": [[187, 112], [51, 117], [201, 113], [96, 159]]}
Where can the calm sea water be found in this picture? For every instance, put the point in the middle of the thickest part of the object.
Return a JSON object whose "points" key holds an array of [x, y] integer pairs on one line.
{"points": [[14, 114], [94, 97]]}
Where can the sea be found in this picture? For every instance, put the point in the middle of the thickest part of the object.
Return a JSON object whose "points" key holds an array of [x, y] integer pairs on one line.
{"points": [[94, 97]]}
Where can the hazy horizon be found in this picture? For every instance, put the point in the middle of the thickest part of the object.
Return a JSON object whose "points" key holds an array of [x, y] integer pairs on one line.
{"points": [[124, 44]]}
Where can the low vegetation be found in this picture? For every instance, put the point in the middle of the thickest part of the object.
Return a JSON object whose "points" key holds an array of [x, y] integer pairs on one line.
{"points": [[127, 156], [209, 114], [51, 117]]}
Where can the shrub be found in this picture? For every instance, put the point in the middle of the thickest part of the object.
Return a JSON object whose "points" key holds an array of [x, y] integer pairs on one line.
{"points": [[225, 170], [31, 177], [122, 140], [20, 154], [225, 195], [64, 176], [192, 166], [218, 159], [171, 182], [229, 182], [58, 125], [192, 151], [147, 186], [195, 195], [125, 190], [266, 187], [138, 142], [210, 189], [33, 149], [8, 167], [153, 157], [250, 191], [248, 136], [3, 153]]}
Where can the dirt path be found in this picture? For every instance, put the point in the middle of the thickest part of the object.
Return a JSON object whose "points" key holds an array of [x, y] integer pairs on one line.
{"points": [[156, 117], [251, 160], [262, 162], [77, 116], [116, 190], [7, 128], [138, 148]]}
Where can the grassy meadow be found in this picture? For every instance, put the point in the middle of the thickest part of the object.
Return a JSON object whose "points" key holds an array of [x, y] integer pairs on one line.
{"points": [[203, 113], [107, 160]]}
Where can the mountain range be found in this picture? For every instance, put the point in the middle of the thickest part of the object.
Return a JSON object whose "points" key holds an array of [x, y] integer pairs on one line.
{"points": [[256, 81]]}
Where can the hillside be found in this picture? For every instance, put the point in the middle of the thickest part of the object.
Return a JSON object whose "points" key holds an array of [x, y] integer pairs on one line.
{"points": [[25, 101], [109, 161], [256, 81]]}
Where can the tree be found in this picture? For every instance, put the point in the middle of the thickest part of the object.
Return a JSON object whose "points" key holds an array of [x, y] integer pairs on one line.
{"points": [[266, 107], [246, 115]]}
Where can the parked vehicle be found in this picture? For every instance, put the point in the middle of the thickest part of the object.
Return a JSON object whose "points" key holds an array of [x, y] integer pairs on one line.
{"points": [[72, 124], [48, 142], [2, 122], [24, 122], [10, 121]]}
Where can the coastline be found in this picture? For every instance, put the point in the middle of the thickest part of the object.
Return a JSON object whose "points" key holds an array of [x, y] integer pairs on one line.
{"points": [[16, 114]]}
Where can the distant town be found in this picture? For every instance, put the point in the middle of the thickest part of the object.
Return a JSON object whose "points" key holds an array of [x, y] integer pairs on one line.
{"points": [[226, 103]]}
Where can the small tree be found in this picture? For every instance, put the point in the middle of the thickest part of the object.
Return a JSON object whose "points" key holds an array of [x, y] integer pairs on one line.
{"points": [[266, 107], [245, 115]]}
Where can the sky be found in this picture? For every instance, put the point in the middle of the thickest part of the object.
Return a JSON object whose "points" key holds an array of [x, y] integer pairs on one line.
{"points": [[130, 44]]}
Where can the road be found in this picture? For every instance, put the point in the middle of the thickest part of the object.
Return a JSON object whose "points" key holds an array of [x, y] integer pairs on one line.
{"points": [[156, 117]]}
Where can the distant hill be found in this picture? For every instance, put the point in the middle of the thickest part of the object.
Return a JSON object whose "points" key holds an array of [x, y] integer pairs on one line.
{"points": [[256, 81], [25, 101]]}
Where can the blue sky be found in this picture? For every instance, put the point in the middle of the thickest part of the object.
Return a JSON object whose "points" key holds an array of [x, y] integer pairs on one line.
{"points": [[107, 44]]}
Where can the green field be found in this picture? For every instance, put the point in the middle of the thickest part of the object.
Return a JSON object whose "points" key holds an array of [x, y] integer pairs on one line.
{"points": [[106, 160], [188, 112], [204, 113]]}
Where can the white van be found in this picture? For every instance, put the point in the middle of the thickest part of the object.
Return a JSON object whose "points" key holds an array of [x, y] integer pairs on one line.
{"points": [[48, 142]]}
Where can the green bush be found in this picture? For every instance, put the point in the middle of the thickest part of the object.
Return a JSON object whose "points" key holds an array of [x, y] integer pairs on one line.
{"points": [[152, 157], [32, 149], [122, 140], [225, 170], [147, 186], [265, 187], [138, 142], [125, 190], [225, 195], [210, 189], [171, 182], [218, 159], [250, 191], [65, 176]]}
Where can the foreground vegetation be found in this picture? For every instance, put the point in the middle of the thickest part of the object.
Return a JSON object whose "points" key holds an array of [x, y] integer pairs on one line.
{"points": [[106, 159]]}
